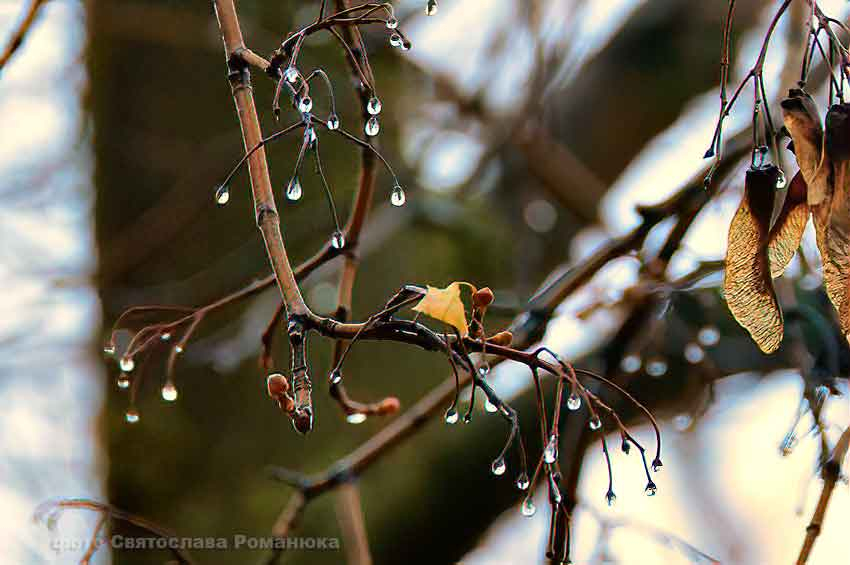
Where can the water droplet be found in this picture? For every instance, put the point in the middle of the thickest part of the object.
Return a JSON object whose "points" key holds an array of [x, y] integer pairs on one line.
{"points": [[656, 367], [222, 195], [396, 40], [483, 370], [522, 481], [165, 336], [294, 190], [372, 127], [338, 240], [694, 353], [109, 349], [311, 133], [574, 402], [498, 467], [333, 122], [335, 377], [708, 336], [398, 198], [356, 418], [595, 423], [305, 104], [431, 8], [291, 74], [392, 23], [821, 393], [650, 489], [787, 445], [781, 181], [611, 498], [452, 416], [123, 381], [169, 392], [490, 407], [127, 364], [550, 453], [178, 349], [631, 363], [467, 418], [528, 509], [374, 106], [682, 422], [626, 447], [132, 416], [406, 45], [656, 465]]}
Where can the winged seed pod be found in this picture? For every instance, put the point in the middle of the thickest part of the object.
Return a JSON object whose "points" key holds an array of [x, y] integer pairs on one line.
{"points": [[787, 230], [802, 120], [747, 282], [836, 221]]}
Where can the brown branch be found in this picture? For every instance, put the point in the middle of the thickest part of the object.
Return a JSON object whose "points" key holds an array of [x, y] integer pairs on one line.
{"points": [[349, 513], [20, 33]]}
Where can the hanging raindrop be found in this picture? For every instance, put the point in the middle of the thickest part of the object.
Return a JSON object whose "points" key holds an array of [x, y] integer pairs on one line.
{"points": [[550, 453], [483, 370], [372, 127], [312, 134], [398, 198], [291, 74], [165, 336], [222, 195], [650, 489], [625, 446], [305, 104], [127, 364], [694, 353], [595, 423], [109, 349], [490, 407], [356, 418], [374, 106], [294, 190], [178, 349], [396, 40], [611, 498], [338, 240], [392, 23], [405, 45], [656, 465], [781, 181], [132, 416], [123, 381], [451, 416], [335, 377], [708, 336], [333, 122], [498, 467], [631, 363], [431, 8], [528, 509], [574, 402], [656, 367], [522, 481], [169, 392]]}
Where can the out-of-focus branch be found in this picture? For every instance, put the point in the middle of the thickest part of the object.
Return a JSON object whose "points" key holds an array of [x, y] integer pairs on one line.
{"points": [[350, 515], [20, 33]]}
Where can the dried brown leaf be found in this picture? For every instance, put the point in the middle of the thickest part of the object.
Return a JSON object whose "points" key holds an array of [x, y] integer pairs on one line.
{"points": [[787, 230], [747, 283], [802, 120]]}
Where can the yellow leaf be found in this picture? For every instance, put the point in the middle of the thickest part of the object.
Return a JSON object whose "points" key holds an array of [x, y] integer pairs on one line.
{"points": [[444, 304]]}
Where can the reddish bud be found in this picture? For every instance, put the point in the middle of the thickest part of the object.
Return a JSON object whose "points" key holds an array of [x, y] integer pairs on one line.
{"points": [[482, 297], [277, 385], [389, 405], [502, 338]]}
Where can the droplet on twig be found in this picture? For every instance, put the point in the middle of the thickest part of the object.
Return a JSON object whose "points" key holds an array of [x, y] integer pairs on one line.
{"points": [[291, 74], [694, 353], [333, 122], [650, 489], [127, 364], [294, 190], [123, 381], [132, 416], [398, 198], [165, 336], [452, 416], [169, 392], [498, 467], [528, 509], [574, 402], [610, 497], [708, 336], [490, 407], [305, 104], [338, 240], [335, 377], [431, 8], [372, 127], [595, 423], [374, 106], [522, 481], [550, 452], [392, 23], [657, 464], [395, 40], [356, 418], [222, 195], [631, 363], [109, 349]]}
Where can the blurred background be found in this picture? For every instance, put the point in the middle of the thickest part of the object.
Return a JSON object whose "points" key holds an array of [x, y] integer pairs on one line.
{"points": [[525, 133]]}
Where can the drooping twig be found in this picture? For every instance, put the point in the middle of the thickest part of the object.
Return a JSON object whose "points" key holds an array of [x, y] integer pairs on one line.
{"points": [[20, 32]]}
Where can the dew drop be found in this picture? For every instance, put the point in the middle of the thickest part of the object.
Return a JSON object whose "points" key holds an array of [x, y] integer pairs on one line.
{"points": [[467, 418], [650, 489], [631, 363], [405, 45], [694, 353], [356, 418], [626, 447], [522, 481], [498, 467], [127, 364], [396, 40], [483, 370], [222, 195], [305, 104], [165, 336], [372, 127], [398, 198], [595, 423], [169, 392], [333, 122], [656, 465], [431, 8], [178, 349], [338, 240], [550, 453], [490, 407], [374, 106], [682, 422], [132, 416], [611, 498], [574, 402], [708, 336], [123, 381], [392, 23], [528, 509], [656, 367], [335, 377], [291, 74], [781, 181], [313, 137], [294, 190], [109, 349], [452, 416]]}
